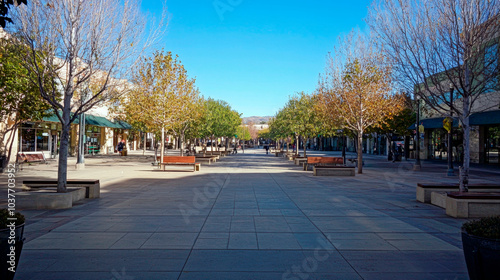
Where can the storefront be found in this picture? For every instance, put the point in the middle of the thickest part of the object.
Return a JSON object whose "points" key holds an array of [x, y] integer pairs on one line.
{"points": [[484, 139], [92, 139], [492, 145], [39, 137]]}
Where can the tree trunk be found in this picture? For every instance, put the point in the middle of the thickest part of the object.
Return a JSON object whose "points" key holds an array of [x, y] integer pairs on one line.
{"points": [[360, 152], [304, 144], [145, 143], [62, 168], [181, 143], [162, 147], [212, 145], [464, 169], [296, 145]]}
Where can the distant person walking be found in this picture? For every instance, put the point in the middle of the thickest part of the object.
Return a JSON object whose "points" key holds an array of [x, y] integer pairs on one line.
{"points": [[267, 149], [121, 146]]}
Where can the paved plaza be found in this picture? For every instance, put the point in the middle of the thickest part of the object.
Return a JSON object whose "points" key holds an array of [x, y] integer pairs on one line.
{"points": [[248, 216]]}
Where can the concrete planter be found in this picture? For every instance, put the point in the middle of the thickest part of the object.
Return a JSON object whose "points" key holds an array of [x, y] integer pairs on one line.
{"points": [[7, 255], [482, 256]]}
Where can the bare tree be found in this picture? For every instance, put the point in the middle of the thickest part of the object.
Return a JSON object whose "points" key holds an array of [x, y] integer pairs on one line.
{"points": [[88, 47], [356, 89], [436, 45]]}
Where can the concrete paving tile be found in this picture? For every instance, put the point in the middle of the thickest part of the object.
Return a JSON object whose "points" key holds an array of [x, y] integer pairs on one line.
{"points": [[87, 240], [170, 241], [230, 275], [303, 227], [397, 276], [424, 245], [397, 266], [246, 212], [271, 224], [362, 244], [131, 241], [211, 243], [216, 227], [242, 241], [313, 241], [284, 241], [242, 260], [222, 211]]}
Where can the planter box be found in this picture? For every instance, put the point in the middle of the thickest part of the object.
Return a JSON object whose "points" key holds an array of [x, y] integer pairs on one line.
{"points": [[334, 171], [424, 190], [472, 204], [482, 256], [92, 187], [5, 248], [49, 198], [300, 160], [439, 199]]}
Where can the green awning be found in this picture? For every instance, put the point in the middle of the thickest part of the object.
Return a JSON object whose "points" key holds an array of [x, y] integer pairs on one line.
{"points": [[93, 120], [483, 118]]}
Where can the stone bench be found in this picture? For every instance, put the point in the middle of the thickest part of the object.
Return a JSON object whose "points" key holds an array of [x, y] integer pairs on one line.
{"points": [[92, 187], [334, 171], [300, 160], [207, 159], [424, 190], [472, 204]]}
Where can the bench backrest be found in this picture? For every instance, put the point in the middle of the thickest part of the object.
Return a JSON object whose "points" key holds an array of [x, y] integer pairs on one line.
{"points": [[185, 159], [325, 160], [31, 157]]}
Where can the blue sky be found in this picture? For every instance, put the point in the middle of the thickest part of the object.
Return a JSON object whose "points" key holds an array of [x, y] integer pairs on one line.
{"points": [[254, 54]]}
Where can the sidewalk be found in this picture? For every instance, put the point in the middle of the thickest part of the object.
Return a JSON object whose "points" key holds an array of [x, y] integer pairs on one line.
{"points": [[248, 216]]}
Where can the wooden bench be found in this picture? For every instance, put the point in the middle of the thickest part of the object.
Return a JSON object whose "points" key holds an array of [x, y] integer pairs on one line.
{"points": [[334, 171], [322, 161], [178, 160], [29, 157], [425, 190], [92, 187]]}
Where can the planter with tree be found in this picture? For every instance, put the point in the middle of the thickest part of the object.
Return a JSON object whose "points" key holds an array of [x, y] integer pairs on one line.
{"points": [[481, 244], [11, 242]]}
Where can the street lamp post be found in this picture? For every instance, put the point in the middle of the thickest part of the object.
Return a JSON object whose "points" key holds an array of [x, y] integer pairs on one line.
{"points": [[450, 135], [417, 165]]}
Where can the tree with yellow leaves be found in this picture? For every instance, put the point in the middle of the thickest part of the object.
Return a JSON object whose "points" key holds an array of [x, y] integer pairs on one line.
{"points": [[356, 90], [164, 98]]}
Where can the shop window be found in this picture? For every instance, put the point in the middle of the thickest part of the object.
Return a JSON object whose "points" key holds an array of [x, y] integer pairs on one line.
{"points": [[491, 67]]}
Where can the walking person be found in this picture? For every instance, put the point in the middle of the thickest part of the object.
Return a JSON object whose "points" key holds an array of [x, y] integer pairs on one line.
{"points": [[267, 149]]}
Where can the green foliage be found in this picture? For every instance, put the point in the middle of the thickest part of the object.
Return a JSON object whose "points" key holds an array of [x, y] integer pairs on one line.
{"points": [[484, 227], [18, 93], [243, 133], [220, 119], [5, 215]]}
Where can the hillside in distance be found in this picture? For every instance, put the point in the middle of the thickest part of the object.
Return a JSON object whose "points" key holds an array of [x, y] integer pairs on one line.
{"points": [[256, 119]]}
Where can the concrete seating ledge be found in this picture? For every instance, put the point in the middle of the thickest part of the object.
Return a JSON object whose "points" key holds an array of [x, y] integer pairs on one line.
{"points": [[425, 190], [472, 204], [334, 171], [49, 199], [92, 187]]}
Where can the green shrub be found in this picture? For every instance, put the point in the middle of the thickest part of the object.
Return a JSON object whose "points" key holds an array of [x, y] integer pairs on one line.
{"points": [[5, 214], [484, 227]]}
